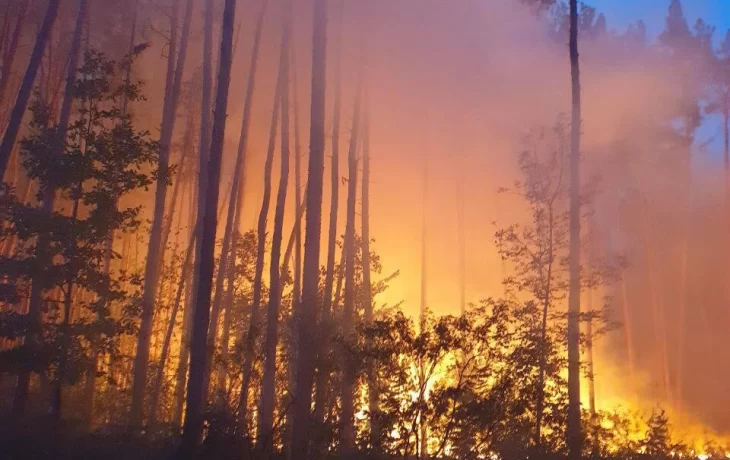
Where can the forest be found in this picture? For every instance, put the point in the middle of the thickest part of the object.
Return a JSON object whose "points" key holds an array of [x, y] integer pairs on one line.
{"points": [[312, 229]]}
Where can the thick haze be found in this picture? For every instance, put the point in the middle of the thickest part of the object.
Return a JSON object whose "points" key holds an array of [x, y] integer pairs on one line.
{"points": [[453, 88]]}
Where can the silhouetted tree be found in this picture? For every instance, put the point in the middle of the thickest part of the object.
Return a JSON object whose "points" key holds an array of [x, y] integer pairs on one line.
{"points": [[196, 400], [306, 329]]}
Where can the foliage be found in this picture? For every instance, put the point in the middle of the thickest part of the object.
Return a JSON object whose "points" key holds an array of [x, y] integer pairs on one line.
{"points": [[102, 160]]}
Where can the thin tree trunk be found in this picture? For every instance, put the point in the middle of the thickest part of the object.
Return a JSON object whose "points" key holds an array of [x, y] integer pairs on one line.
{"points": [[626, 311], [205, 144], [657, 302], [64, 121], [57, 393], [424, 246], [546, 301], [335, 168], [26, 87], [181, 373], [90, 383], [421, 432], [155, 251], [291, 241], [373, 391], [10, 52], [294, 239], [193, 428], [5, 30], [573, 433], [221, 393], [683, 264], [253, 327], [184, 274], [347, 434], [268, 385], [39, 284], [130, 57], [182, 369], [167, 226], [590, 365], [235, 207], [307, 342]]}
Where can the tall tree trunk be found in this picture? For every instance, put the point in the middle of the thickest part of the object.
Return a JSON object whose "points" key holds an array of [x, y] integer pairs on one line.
{"points": [[26, 87], [205, 143], [290, 243], [167, 226], [181, 373], [421, 440], [90, 383], [40, 283], [155, 251], [626, 311], [5, 30], [424, 246], [347, 433], [373, 393], [573, 433], [297, 283], [130, 57], [268, 385], [322, 372], [294, 239], [10, 52], [226, 266], [307, 342], [656, 299], [64, 120], [590, 367], [546, 302], [57, 392], [185, 342], [335, 167], [193, 428], [184, 273], [253, 326]]}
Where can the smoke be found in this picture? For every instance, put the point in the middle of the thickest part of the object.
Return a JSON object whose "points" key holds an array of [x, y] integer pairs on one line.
{"points": [[453, 87]]}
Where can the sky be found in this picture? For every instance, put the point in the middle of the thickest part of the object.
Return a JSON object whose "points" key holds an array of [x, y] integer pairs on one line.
{"points": [[620, 13]]}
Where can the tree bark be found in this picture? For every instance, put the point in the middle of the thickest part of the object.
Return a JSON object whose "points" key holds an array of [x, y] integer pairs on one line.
{"points": [[253, 326], [26, 87], [167, 226], [307, 342], [322, 373], [193, 427], [184, 272], [226, 267], [181, 374], [64, 120], [295, 239], [268, 385], [373, 392], [155, 251], [10, 52], [347, 435], [546, 302], [573, 433]]}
